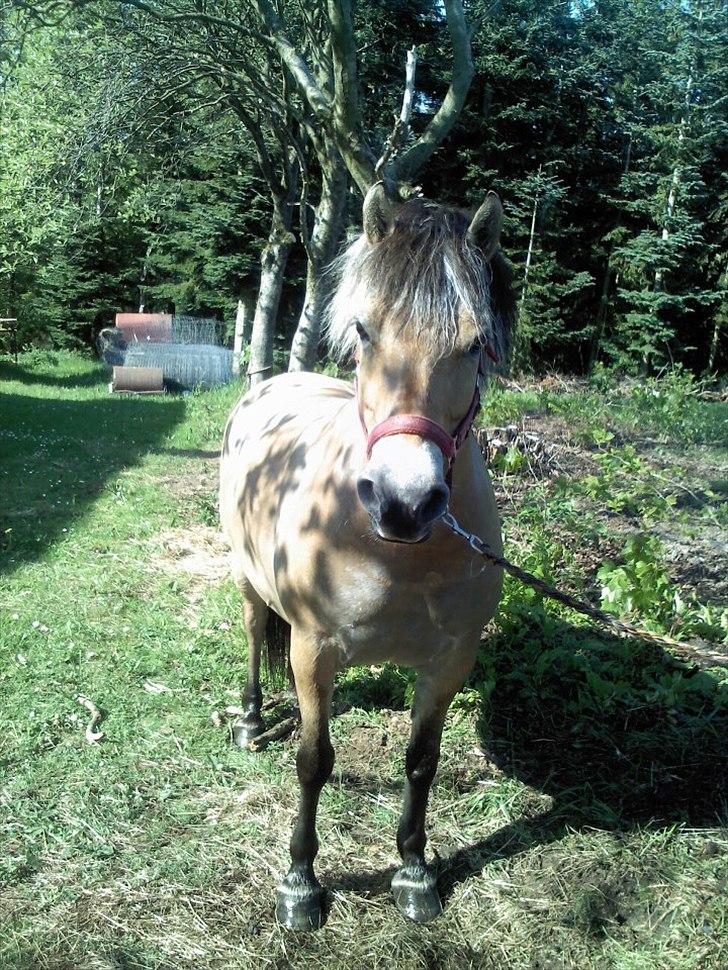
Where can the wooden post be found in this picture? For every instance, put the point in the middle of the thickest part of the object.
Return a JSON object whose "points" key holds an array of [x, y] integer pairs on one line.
{"points": [[239, 335]]}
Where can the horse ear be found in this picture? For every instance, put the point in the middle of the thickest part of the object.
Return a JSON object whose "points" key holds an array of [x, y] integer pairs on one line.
{"points": [[377, 214], [485, 229]]}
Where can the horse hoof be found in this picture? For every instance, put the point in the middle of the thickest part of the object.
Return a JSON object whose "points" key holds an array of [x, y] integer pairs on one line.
{"points": [[299, 905], [246, 729], [415, 893]]}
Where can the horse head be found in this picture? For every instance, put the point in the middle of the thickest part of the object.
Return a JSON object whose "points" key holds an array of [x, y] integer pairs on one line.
{"points": [[423, 302]]}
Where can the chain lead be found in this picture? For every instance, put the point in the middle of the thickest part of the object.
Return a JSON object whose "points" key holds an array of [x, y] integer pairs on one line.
{"points": [[475, 542], [703, 655]]}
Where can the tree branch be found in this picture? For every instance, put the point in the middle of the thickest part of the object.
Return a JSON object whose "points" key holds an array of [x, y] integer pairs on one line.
{"points": [[401, 127], [296, 64], [347, 117], [440, 126]]}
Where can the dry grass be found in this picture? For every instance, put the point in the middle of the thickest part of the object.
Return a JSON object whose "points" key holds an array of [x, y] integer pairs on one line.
{"points": [[201, 895]]}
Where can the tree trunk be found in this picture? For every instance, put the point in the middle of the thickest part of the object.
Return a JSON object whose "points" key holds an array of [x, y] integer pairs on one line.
{"points": [[675, 182], [272, 272], [717, 326], [531, 238], [143, 276], [238, 338], [522, 350], [308, 331], [602, 312], [325, 236], [714, 344]]}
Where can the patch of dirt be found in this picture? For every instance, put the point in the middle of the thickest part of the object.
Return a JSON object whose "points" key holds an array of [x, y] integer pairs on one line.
{"points": [[200, 552], [200, 555], [191, 482], [370, 745], [698, 561]]}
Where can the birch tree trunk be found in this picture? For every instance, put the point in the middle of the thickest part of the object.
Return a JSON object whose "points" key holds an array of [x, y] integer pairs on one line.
{"points": [[522, 349], [143, 277], [717, 326], [272, 273], [239, 337], [675, 182], [531, 238], [714, 344], [328, 223]]}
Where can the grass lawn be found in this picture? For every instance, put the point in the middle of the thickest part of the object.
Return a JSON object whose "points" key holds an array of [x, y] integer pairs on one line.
{"points": [[579, 816]]}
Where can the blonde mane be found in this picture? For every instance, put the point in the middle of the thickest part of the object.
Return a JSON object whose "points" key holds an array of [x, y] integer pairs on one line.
{"points": [[426, 273]]}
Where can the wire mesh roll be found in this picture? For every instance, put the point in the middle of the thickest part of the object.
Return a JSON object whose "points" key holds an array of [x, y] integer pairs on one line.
{"points": [[196, 330], [185, 366]]}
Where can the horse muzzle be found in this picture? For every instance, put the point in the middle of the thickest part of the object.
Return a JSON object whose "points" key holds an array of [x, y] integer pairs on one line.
{"points": [[398, 517]]}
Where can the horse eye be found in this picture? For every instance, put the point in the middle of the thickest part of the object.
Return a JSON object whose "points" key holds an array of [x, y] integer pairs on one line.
{"points": [[475, 348], [362, 331]]}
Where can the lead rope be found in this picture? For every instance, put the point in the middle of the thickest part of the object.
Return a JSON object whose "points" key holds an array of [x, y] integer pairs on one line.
{"points": [[692, 652]]}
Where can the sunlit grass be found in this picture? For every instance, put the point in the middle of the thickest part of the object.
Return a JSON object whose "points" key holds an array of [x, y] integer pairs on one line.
{"points": [[580, 805]]}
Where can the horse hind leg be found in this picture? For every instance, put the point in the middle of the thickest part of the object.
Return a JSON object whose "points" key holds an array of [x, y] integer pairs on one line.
{"points": [[255, 616]]}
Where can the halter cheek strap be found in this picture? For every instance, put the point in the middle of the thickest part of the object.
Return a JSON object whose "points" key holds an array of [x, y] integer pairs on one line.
{"points": [[422, 427]]}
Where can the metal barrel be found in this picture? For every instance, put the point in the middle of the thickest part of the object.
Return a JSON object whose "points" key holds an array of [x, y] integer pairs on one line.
{"points": [[137, 380]]}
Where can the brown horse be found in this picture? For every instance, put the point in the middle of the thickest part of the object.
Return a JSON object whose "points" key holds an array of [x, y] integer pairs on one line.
{"points": [[331, 496]]}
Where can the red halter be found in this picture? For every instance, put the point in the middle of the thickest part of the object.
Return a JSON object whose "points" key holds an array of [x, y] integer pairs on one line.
{"points": [[418, 424]]}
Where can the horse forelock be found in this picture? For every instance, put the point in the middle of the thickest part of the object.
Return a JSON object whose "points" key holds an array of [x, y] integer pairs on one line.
{"points": [[425, 275]]}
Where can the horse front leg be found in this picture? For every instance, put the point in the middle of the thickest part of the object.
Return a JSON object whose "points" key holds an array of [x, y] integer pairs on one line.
{"points": [[415, 885], [300, 895]]}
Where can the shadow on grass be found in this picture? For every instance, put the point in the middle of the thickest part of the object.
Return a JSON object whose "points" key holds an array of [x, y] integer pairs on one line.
{"points": [[619, 733], [58, 456], [206, 453], [43, 375]]}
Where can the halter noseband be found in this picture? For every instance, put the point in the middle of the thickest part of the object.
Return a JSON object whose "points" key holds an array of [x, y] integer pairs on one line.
{"points": [[422, 427]]}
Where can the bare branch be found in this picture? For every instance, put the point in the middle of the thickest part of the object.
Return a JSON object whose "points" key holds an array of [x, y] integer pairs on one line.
{"points": [[401, 127], [174, 16], [303, 203], [296, 64], [347, 117], [440, 126]]}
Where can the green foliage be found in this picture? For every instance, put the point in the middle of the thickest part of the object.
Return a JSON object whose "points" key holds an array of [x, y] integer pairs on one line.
{"points": [[205, 230], [603, 126], [107, 203], [665, 408], [625, 484], [641, 587]]}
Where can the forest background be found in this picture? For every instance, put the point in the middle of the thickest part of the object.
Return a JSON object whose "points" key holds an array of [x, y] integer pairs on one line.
{"points": [[174, 155]]}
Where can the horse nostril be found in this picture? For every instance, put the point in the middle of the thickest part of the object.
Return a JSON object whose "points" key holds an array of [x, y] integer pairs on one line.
{"points": [[433, 505], [367, 494]]}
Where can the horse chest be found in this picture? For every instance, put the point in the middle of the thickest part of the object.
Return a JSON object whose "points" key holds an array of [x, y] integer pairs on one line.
{"points": [[377, 617]]}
